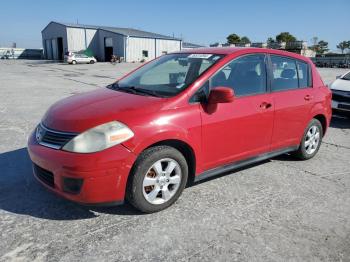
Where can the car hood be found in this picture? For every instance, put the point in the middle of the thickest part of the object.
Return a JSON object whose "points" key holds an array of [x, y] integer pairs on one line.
{"points": [[341, 84], [83, 111]]}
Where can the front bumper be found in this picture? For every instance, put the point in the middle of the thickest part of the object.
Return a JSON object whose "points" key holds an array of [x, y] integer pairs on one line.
{"points": [[103, 174], [341, 100]]}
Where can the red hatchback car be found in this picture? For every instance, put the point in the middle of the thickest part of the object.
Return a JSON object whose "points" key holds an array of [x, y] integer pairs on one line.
{"points": [[182, 117]]}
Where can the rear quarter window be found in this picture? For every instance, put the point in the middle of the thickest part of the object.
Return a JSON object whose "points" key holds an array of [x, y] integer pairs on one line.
{"points": [[304, 74]]}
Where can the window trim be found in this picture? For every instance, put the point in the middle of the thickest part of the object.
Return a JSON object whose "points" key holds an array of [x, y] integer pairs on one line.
{"points": [[310, 80]]}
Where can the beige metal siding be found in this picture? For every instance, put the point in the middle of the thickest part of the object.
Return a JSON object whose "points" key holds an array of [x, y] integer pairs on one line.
{"points": [[135, 46], [90, 34], [167, 46], [76, 39], [92, 41]]}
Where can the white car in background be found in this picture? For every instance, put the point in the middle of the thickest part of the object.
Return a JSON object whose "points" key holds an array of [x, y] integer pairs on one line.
{"points": [[341, 94], [79, 58]]}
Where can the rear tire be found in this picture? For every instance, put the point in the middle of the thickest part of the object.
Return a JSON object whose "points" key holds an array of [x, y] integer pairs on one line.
{"points": [[157, 179], [74, 62], [311, 141], [92, 62]]}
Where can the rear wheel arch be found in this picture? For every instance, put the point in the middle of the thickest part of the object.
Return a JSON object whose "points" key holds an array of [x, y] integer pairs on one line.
{"points": [[323, 120]]}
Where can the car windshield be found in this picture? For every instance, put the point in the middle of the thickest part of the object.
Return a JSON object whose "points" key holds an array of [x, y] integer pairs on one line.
{"points": [[168, 75], [346, 77]]}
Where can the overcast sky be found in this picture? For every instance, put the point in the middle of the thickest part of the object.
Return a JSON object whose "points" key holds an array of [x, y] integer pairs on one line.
{"points": [[201, 22]]}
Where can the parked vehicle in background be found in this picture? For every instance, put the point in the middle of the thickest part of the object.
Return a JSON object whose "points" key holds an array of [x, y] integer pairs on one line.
{"points": [[7, 54], [180, 118], [332, 60], [341, 94], [79, 58], [345, 64]]}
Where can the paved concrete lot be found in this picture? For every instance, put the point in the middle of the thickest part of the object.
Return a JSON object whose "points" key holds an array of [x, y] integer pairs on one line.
{"points": [[278, 210]]}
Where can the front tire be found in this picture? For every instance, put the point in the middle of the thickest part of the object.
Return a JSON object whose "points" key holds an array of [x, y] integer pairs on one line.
{"points": [[74, 62], [311, 141], [157, 179], [92, 62]]}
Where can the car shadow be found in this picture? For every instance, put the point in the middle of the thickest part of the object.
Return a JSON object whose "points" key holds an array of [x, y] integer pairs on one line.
{"points": [[339, 121], [20, 193]]}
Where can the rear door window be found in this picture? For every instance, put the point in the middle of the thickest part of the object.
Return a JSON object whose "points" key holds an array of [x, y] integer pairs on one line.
{"points": [[284, 73]]}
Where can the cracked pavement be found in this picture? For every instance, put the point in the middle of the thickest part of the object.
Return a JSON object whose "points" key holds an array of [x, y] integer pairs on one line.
{"points": [[277, 210]]}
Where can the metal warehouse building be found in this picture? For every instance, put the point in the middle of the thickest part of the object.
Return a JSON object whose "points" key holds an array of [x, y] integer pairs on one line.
{"points": [[131, 44]]}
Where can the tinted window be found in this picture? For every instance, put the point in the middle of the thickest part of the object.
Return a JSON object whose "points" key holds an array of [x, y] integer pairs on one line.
{"points": [[245, 75], [284, 72], [303, 74]]}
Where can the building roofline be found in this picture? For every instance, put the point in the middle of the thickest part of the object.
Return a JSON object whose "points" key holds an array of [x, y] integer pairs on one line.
{"points": [[111, 31]]}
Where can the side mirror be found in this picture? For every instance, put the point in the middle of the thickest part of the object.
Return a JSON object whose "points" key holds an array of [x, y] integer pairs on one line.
{"points": [[221, 95]]}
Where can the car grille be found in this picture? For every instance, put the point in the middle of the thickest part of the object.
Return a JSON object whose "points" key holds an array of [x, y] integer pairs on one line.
{"points": [[341, 96], [342, 106], [52, 138], [44, 175]]}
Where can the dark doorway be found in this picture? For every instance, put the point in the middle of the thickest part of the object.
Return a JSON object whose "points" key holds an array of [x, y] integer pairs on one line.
{"points": [[108, 43], [60, 48]]}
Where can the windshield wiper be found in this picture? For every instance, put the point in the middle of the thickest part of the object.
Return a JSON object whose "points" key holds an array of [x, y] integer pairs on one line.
{"points": [[133, 90], [142, 91]]}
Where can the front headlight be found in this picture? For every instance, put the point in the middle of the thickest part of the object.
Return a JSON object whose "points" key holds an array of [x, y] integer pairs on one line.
{"points": [[99, 138]]}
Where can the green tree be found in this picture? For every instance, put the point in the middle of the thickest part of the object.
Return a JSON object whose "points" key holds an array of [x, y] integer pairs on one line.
{"points": [[285, 37], [270, 40], [233, 39], [245, 40], [322, 47], [343, 45]]}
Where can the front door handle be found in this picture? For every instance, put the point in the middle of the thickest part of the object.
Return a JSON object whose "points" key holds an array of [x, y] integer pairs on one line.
{"points": [[265, 105]]}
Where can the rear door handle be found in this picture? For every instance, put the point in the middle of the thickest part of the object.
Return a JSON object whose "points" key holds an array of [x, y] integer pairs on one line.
{"points": [[265, 105], [308, 97]]}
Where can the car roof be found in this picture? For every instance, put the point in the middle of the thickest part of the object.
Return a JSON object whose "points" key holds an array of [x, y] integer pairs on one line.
{"points": [[232, 50]]}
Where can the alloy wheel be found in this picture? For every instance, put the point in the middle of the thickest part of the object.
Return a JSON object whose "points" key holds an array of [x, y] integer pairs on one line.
{"points": [[312, 140], [162, 181]]}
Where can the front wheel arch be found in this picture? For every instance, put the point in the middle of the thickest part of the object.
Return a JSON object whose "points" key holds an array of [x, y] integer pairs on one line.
{"points": [[184, 148], [134, 184]]}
